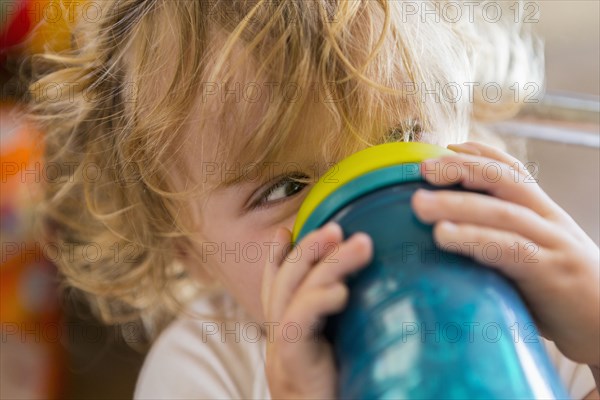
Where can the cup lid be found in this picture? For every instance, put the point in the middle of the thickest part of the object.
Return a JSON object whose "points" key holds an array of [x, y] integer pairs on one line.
{"points": [[360, 164]]}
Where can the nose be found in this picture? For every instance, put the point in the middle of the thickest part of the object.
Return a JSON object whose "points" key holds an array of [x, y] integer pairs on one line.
{"points": [[289, 223]]}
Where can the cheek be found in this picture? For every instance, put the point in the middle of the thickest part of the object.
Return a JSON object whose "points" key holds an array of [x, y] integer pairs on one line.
{"points": [[237, 261], [237, 253]]}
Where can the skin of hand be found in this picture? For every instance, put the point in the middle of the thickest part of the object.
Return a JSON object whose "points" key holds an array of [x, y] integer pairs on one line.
{"points": [[300, 291], [554, 264]]}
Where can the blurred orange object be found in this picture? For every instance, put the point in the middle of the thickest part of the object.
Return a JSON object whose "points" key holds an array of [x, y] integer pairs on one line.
{"points": [[42, 24], [55, 20], [32, 356]]}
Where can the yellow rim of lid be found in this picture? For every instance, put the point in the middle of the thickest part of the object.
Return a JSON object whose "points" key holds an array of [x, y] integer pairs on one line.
{"points": [[360, 163]]}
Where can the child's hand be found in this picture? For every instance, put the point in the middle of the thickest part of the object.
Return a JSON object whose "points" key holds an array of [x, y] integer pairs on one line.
{"points": [[520, 231], [298, 291]]}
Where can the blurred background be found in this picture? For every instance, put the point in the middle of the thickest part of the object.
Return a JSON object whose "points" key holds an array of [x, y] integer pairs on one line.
{"points": [[54, 349]]}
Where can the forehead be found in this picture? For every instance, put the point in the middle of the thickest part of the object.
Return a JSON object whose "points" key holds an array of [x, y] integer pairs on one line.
{"points": [[229, 137], [243, 119], [252, 113]]}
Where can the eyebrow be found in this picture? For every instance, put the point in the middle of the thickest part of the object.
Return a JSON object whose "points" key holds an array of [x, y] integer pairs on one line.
{"points": [[240, 174], [239, 178]]}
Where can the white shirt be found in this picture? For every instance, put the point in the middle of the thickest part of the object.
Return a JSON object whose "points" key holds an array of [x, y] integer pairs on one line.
{"points": [[196, 359], [200, 359]]}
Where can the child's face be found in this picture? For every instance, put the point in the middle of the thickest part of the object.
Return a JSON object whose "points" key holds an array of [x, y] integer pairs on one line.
{"points": [[237, 246], [238, 220]]}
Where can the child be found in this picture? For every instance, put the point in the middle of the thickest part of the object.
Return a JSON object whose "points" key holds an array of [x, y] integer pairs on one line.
{"points": [[192, 131]]}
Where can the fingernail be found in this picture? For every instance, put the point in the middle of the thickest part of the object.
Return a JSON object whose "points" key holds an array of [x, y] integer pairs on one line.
{"points": [[332, 227], [431, 164], [465, 148], [430, 161], [425, 195], [361, 236], [448, 226]]}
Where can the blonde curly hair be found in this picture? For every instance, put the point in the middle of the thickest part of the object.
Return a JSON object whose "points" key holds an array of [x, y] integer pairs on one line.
{"points": [[133, 77]]}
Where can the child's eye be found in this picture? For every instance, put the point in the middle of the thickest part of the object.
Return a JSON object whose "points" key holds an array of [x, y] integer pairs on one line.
{"points": [[286, 187]]}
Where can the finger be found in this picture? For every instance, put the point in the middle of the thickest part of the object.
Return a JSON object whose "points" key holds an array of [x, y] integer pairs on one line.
{"points": [[484, 174], [511, 254], [484, 210], [515, 164], [308, 307], [292, 271], [481, 149], [307, 310], [350, 256], [281, 239]]}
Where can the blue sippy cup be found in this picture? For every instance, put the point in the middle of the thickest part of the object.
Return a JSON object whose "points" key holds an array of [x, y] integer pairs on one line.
{"points": [[421, 323]]}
